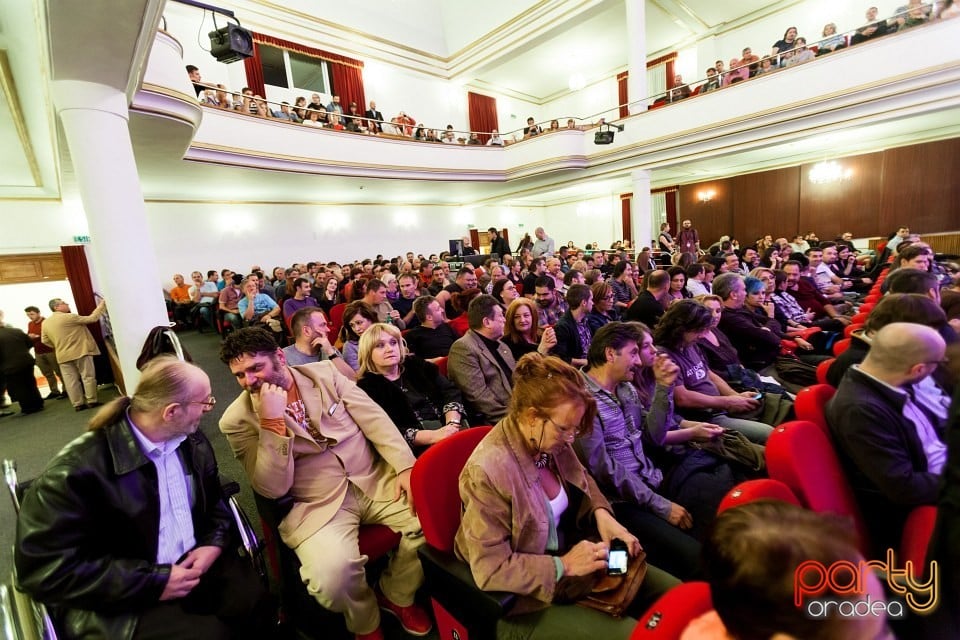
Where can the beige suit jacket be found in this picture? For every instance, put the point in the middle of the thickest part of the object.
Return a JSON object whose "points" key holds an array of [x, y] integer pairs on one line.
{"points": [[360, 446], [67, 333], [475, 371]]}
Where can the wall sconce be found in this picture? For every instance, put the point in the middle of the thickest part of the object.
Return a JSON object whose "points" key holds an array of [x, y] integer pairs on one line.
{"points": [[829, 171], [706, 196]]}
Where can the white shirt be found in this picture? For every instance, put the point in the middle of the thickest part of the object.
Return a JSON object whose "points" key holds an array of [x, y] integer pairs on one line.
{"points": [[176, 535], [697, 288]]}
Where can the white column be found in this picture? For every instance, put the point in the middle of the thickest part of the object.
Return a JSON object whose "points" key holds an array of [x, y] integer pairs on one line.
{"points": [[637, 61], [640, 215], [94, 118]]}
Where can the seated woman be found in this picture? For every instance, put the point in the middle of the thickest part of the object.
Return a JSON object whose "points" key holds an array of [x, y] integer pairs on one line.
{"points": [[752, 556], [830, 40], [520, 331], [700, 393], [505, 291], [357, 318], [325, 292], [603, 310], [424, 405], [534, 522], [678, 284]]}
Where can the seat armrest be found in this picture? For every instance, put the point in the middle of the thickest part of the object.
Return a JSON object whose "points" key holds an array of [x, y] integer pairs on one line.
{"points": [[450, 581]]}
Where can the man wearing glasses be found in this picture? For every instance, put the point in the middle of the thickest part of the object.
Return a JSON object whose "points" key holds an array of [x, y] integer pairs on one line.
{"points": [[888, 434], [68, 335], [127, 531]]}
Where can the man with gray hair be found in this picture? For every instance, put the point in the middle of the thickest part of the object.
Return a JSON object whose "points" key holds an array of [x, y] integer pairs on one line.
{"points": [[127, 531], [890, 444], [68, 335]]}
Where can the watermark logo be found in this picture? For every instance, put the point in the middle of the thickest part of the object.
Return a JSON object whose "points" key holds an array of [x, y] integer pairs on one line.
{"points": [[842, 588]]}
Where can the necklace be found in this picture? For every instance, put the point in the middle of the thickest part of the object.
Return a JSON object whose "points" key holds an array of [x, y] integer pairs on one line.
{"points": [[541, 461]]}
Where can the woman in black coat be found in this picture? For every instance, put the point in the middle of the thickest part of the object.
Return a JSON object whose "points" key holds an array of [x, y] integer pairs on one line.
{"points": [[424, 405]]}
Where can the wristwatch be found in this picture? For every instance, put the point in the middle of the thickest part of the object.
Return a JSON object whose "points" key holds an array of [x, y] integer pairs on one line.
{"points": [[336, 354]]}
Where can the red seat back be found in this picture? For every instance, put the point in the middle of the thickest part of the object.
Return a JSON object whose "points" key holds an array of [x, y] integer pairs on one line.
{"points": [[435, 484], [811, 405], [377, 540], [853, 326], [917, 531], [673, 611], [336, 320], [801, 456], [441, 363], [840, 346], [759, 489], [822, 369]]}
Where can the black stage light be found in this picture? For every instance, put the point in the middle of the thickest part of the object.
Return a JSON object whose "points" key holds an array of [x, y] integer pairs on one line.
{"points": [[231, 43], [603, 137]]}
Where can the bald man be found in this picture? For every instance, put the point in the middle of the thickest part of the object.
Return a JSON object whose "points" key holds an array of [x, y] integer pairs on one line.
{"points": [[890, 443]]}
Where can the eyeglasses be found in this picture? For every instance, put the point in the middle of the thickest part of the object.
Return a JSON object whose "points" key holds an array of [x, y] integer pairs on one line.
{"points": [[567, 432], [210, 402], [610, 297]]}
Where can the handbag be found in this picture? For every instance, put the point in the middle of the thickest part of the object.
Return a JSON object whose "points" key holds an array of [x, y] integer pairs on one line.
{"points": [[614, 594], [734, 447]]}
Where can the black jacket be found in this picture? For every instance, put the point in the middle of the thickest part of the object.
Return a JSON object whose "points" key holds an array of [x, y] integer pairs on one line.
{"points": [[15, 348], [756, 339], [88, 529], [500, 247], [420, 375], [568, 339], [882, 456]]}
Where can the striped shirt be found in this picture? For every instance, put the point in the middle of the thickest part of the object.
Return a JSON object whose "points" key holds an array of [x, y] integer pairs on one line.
{"points": [[176, 535]]}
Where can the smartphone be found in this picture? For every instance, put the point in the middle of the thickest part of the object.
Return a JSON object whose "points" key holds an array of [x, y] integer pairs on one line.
{"points": [[617, 558], [758, 396]]}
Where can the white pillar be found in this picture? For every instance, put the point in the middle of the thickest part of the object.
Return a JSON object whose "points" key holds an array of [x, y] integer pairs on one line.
{"points": [[640, 215], [637, 60], [94, 118]]}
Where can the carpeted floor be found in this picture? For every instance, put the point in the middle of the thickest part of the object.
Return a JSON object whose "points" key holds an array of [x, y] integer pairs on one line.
{"points": [[33, 440]]}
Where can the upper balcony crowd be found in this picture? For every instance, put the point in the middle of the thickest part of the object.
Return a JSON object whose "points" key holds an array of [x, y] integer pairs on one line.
{"points": [[788, 51]]}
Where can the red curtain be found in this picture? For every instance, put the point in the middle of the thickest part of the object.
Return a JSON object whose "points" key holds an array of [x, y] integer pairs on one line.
{"points": [[626, 219], [346, 74], [623, 96], [78, 274], [483, 114], [348, 84], [254, 69]]}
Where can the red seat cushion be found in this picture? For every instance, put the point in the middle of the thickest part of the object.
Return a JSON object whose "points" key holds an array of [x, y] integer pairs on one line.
{"points": [[759, 489]]}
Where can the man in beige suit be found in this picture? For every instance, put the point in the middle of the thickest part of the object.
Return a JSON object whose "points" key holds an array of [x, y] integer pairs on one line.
{"points": [[309, 432], [68, 335]]}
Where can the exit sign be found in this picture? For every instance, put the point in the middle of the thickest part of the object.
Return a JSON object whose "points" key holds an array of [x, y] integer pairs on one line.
{"points": [[81, 239]]}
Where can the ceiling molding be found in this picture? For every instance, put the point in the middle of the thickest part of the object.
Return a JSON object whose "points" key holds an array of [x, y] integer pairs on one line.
{"points": [[9, 89]]}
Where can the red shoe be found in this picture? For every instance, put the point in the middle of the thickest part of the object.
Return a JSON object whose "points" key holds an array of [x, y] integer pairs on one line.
{"points": [[413, 619], [376, 634]]}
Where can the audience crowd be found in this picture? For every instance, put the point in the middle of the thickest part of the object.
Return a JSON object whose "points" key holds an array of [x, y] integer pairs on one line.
{"points": [[611, 381], [792, 48]]}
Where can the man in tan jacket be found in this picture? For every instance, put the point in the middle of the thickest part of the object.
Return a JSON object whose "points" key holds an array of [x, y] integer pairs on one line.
{"points": [[309, 432], [68, 335]]}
